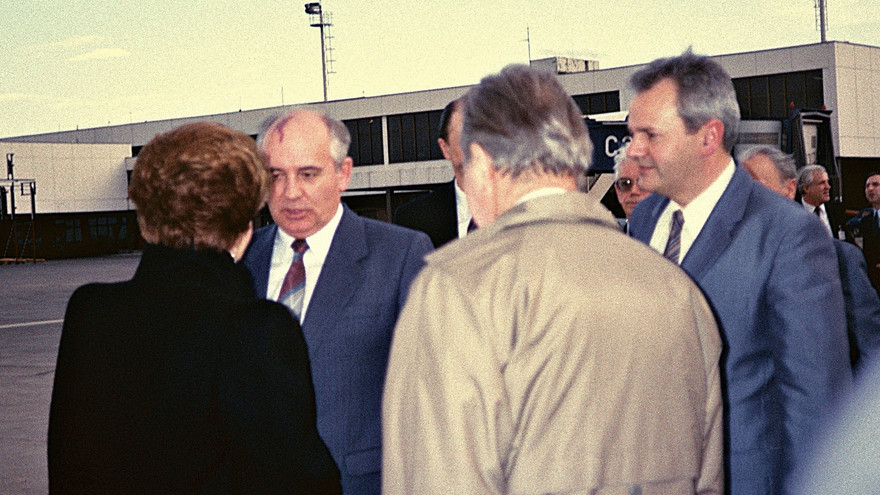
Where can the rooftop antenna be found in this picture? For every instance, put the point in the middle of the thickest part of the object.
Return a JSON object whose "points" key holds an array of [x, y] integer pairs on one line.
{"points": [[821, 17], [528, 41]]}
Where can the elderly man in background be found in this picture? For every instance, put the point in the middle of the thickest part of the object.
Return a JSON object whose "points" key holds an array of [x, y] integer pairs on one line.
{"points": [[344, 277], [767, 266], [518, 365], [626, 174], [815, 188], [776, 170]]}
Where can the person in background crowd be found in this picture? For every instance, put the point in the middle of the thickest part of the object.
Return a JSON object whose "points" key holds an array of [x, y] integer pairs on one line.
{"points": [[519, 364], [866, 225], [626, 174], [776, 170], [443, 214], [815, 189], [768, 268], [180, 380]]}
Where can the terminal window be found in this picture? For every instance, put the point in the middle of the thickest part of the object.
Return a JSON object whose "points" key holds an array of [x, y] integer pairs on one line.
{"points": [[771, 96], [593, 103]]}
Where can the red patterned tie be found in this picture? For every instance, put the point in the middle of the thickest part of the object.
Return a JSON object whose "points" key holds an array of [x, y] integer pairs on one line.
{"points": [[293, 287]]}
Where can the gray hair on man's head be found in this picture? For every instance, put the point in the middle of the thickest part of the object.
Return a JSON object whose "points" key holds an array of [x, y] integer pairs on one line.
{"points": [[705, 91], [619, 157], [526, 121], [783, 161], [805, 175], [340, 137]]}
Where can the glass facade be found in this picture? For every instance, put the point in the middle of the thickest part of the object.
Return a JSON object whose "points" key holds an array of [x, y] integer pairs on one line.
{"points": [[774, 96]]}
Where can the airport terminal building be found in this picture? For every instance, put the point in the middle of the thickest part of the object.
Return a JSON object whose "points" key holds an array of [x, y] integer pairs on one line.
{"points": [[65, 193]]}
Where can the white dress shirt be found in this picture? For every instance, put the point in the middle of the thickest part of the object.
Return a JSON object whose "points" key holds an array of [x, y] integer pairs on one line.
{"points": [[462, 213], [313, 259], [823, 215], [695, 214]]}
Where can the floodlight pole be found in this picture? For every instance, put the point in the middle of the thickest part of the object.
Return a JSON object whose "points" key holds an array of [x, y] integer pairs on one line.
{"points": [[315, 8]]}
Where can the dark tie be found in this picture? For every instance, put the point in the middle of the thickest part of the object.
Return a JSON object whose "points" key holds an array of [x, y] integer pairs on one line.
{"points": [[471, 225], [673, 245], [817, 211], [293, 287]]}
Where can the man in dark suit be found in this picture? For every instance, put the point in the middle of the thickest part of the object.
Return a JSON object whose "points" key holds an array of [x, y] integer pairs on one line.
{"points": [[356, 275], [815, 191], [776, 170], [865, 226], [443, 214], [767, 267]]}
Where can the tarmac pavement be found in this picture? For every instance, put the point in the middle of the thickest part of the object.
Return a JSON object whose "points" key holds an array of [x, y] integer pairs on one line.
{"points": [[33, 297]]}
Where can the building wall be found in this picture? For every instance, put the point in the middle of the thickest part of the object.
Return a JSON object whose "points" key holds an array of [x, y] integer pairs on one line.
{"points": [[71, 178], [857, 82], [851, 87]]}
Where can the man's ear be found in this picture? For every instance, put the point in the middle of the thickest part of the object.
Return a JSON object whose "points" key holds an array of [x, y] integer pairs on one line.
{"points": [[444, 148], [483, 163], [712, 134], [343, 175]]}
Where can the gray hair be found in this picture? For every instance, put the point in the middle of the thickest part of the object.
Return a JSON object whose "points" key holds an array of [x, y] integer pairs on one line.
{"points": [[783, 161], [526, 121], [705, 91], [340, 137], [619, 157], [805, 175]]}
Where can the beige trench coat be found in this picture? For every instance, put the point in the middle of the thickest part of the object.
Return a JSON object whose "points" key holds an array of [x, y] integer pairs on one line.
{"points": [[549, 353]]}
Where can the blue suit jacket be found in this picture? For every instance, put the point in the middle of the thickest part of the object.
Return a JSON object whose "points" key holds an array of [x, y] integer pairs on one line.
{"points": [[348, 328], [770, 272], [862, 304]]}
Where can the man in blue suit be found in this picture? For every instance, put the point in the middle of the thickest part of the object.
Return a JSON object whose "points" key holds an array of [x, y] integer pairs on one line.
{"points": [[777, 170], [356, 275], [767, 267]]}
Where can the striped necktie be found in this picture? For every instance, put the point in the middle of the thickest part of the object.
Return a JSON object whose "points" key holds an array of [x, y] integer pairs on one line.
{"points": [[293, 287], [673, 245]]}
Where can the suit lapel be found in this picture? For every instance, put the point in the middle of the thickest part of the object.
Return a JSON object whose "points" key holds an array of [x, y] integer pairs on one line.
{"points": [[258, 258], [340, 277], [719, 228], [643, 229], [448, 209]]}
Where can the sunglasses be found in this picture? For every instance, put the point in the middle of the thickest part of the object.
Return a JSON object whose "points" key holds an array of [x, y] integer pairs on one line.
{"points": [[624, 184]]}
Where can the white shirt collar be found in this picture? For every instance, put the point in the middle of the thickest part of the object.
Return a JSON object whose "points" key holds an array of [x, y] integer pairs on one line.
{"points": [[810, 208], [537, 193], [695, 214], [462, 214], [313, 259]]}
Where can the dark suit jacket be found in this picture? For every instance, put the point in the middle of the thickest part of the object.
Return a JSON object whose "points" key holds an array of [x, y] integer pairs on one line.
{"points": [[182, 381], [862, 305], [836, 217], [348, 328], [434, 213], [863, 225], [769, 270]]}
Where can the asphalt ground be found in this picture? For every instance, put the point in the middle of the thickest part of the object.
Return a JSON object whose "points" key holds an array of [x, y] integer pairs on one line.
{"points": [[33, 297]]}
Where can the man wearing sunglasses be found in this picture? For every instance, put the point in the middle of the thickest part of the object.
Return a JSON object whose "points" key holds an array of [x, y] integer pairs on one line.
{"points": [[626, 171]]}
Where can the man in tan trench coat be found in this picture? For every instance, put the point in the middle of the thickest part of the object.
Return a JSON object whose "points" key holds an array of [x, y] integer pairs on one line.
{"points": [[547, 352]]}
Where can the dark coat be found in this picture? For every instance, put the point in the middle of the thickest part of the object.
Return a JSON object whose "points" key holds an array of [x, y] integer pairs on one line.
{"points": [[182, 381], [434, 214]]}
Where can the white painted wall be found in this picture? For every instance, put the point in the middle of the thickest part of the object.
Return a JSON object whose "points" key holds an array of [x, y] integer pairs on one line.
{"points": [[70, 177]]}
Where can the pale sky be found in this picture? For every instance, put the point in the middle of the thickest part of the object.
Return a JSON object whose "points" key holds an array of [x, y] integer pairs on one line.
{"points": [[67, 64]]}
